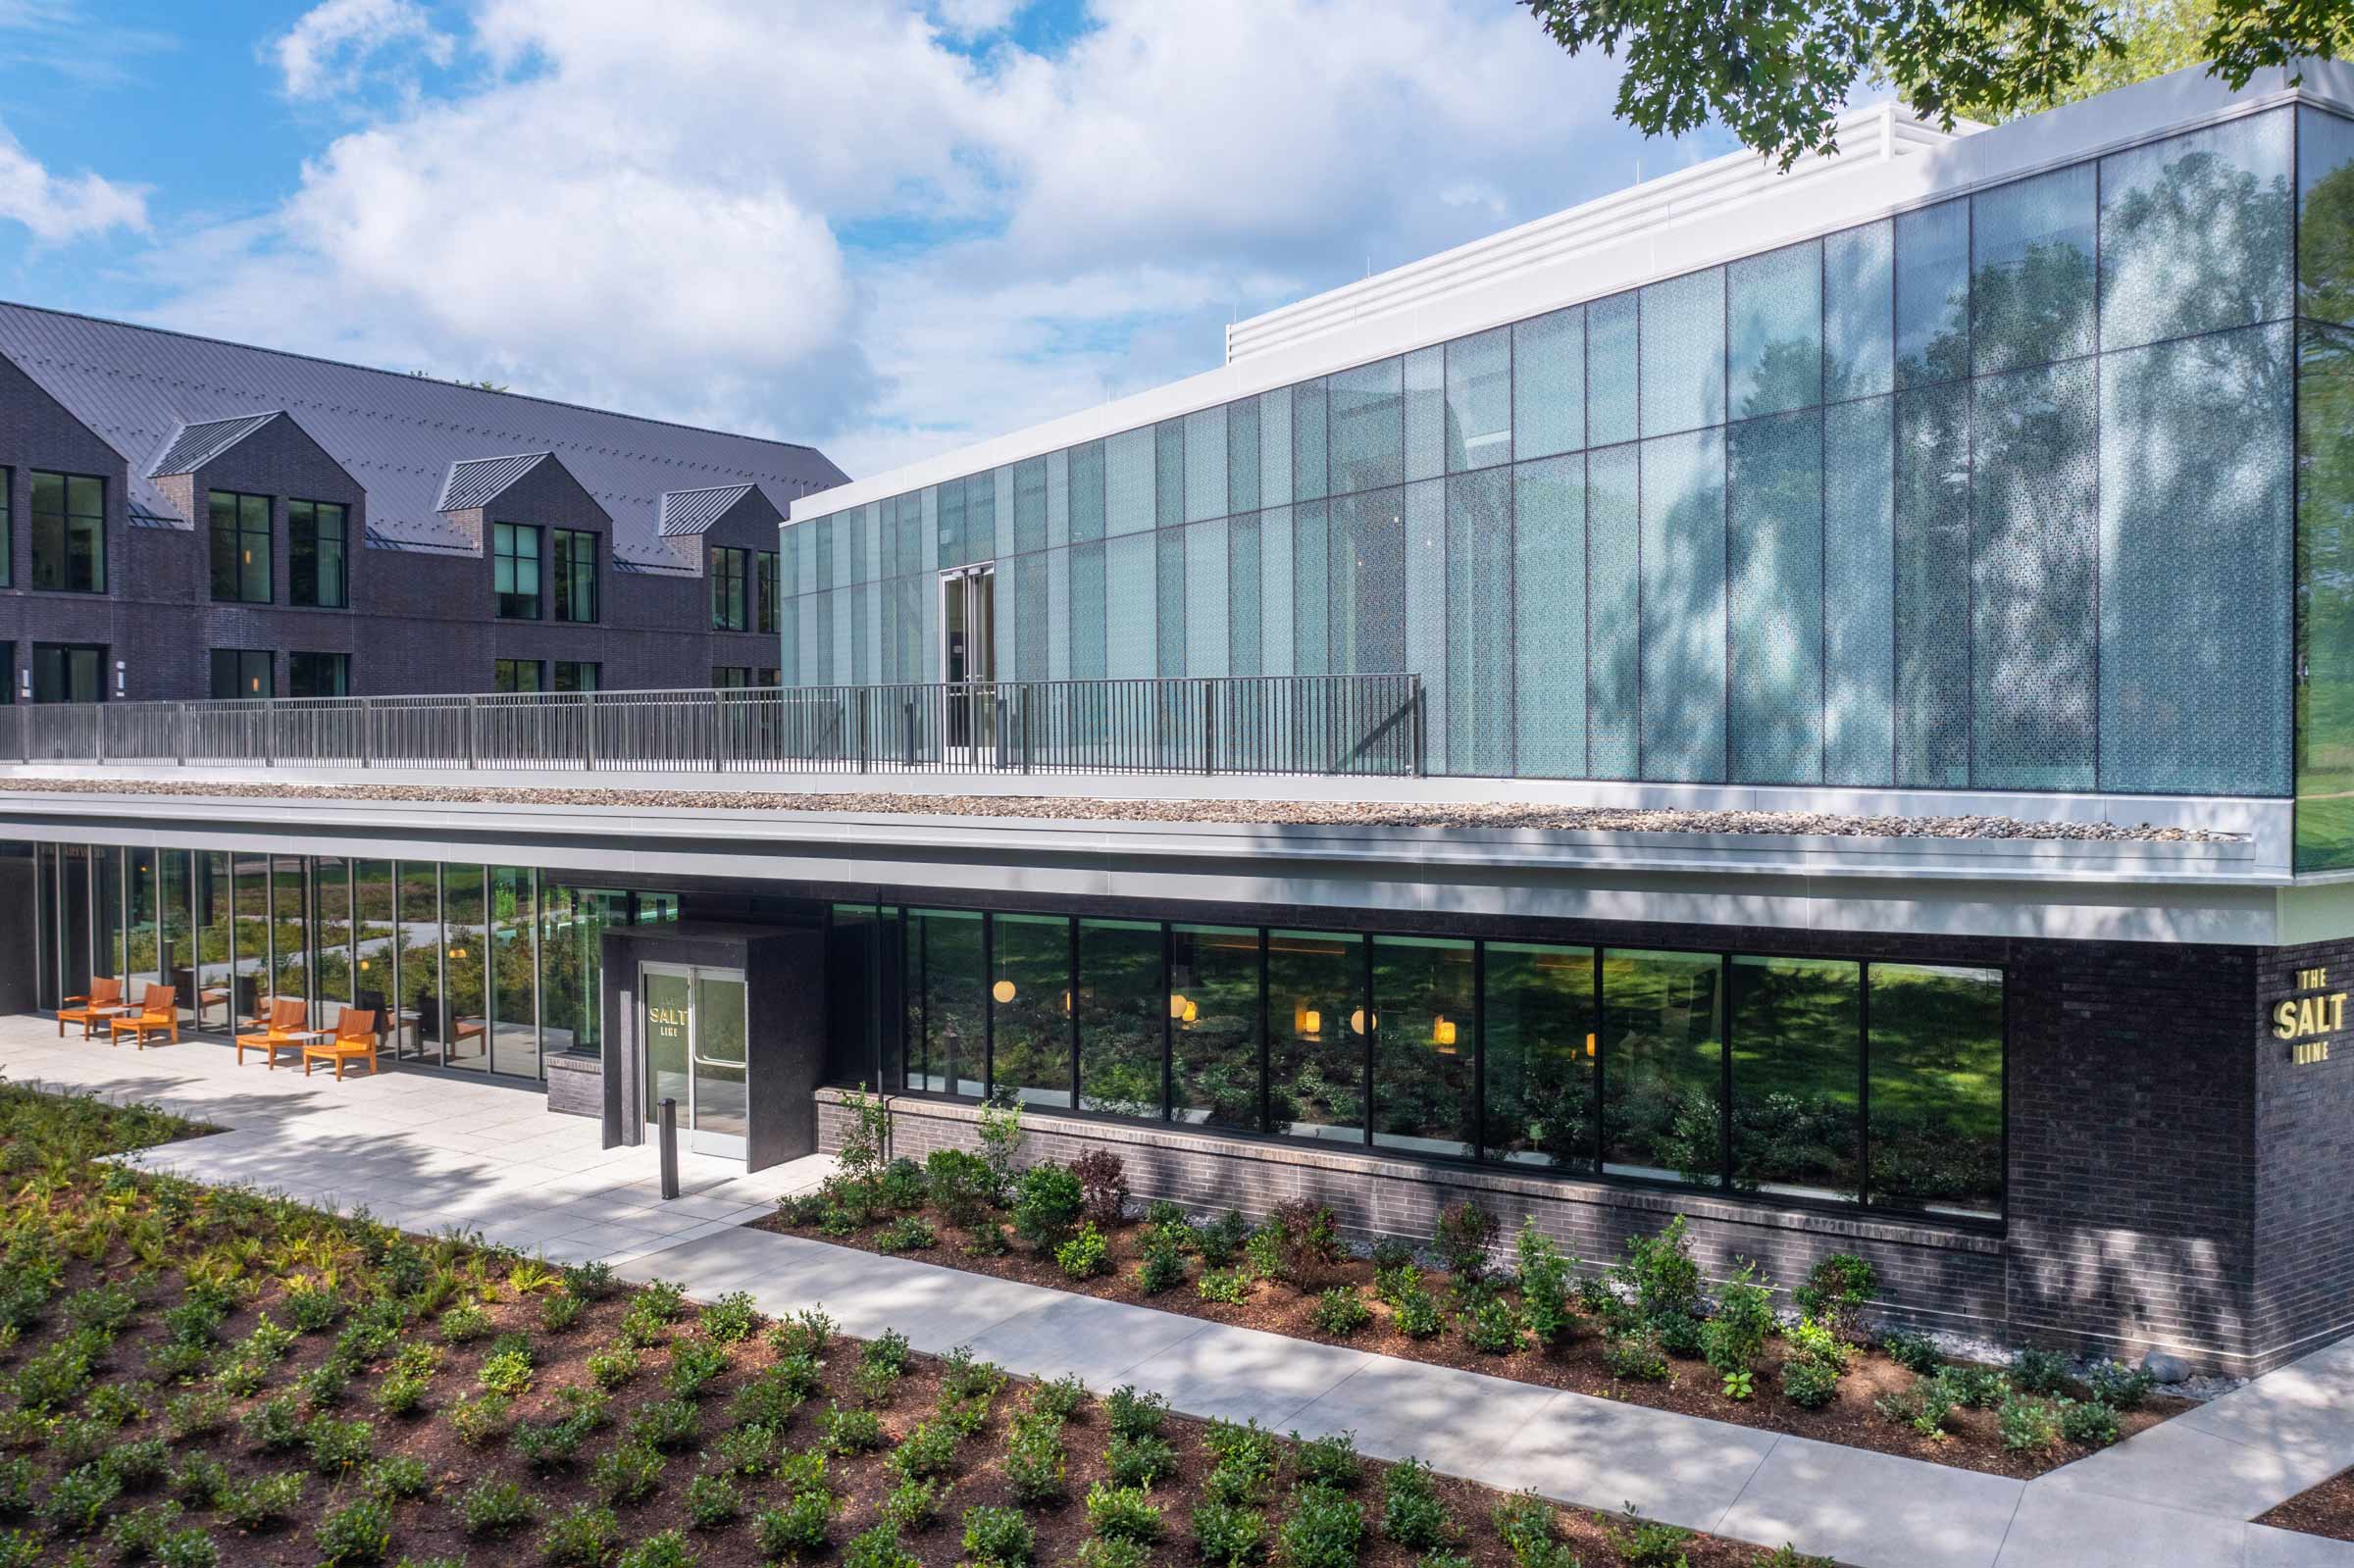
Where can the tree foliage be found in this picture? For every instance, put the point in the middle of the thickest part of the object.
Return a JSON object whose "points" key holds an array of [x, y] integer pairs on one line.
{"points": [[1778, 72]]}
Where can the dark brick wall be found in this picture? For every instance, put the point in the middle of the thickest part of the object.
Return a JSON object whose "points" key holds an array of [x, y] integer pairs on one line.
{"points": [[2304, 1212], [419, 621]]}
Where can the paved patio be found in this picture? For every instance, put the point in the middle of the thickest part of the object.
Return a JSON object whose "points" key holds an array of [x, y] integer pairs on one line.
{"points": [[431, 1150]]}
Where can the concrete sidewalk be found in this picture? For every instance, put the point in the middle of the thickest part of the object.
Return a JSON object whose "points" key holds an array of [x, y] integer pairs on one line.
{"points": [[2133, 1507]]}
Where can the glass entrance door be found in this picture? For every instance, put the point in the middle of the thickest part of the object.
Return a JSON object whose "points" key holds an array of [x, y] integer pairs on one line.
{"points": [[968, 640], [695, 1033]]}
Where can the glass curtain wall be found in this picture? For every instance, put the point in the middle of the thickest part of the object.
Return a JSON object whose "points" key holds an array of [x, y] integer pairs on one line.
{"points": [[216, 942], [249, 937], [463, 1013], [2325, 484], [514, 972], [417, 944], [1992, 494], [175, 954]]}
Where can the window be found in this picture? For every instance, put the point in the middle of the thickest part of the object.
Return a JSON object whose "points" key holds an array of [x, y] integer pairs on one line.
{"points": [[68, 672], [516, 675], [243, 673], [1316, 1035], [766, 590], [318, 675], [1663, 1066], [1214, 1022], [515, 570], [573, 675], [1425, 1034], [768, 676], [1030, 1015], [576, 574], [8, 533], [728, 567], [8, 672], [318, 537], [730, 677], [1937, 1089], [1123, 1011], [1797, 1045], [69, 533], [240, 548], [1539, 1039]]}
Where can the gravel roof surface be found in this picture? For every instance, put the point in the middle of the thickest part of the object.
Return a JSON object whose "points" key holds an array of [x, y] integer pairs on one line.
{"points": [[1273, 813]]}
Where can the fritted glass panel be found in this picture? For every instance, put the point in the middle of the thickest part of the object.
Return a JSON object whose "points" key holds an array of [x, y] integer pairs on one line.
{"points": [[1316, 1035], [1427, 610], [1090, 645], [1549, 618], [1774, 303], [1207, 601], [1169, 469], [1087, 491], [1774, 523], [1205, 464], [2032, 283], [1858, 312], [375, 904], [947, 989], [948, 521], [1131, 602], [1683, 606], [1426, 1039], [417, 957], [1613, 622], [1367, 562], [1932, 294], [1368, 416], [1030, 1010], [1936, 1091], [1859, 590], [1002, 485], [1480, 706], [217, 980], [1798, 1067], [1243, 597], [514, 970], [1311, 620], [1479, 401], [2033, 537], [1030, 504], [1059, 615], [2324, 699], [1683, 353], [1540, 1062], [572, 925], [1058, 500], [1242, 455], [1611, 379], [1169, 597], [1213, 1018], [1932, 587], [2195, 232], [1308, 476], [1662, 1067], [1549, 384], [462, 1019], [1426, 413], [1033, 619], [1275, 591], [1128, 482], [1275, 447], [2196, 599], [2325, 216]]}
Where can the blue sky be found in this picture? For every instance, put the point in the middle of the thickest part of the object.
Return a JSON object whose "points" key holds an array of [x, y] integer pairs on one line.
{"points": [[883, 227]]}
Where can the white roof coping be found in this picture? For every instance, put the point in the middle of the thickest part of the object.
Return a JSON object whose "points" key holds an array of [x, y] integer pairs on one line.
{"points": [[1719, 211]]}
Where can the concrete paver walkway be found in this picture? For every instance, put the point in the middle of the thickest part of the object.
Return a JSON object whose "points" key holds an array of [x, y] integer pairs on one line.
{"points": [[430, 1150]]}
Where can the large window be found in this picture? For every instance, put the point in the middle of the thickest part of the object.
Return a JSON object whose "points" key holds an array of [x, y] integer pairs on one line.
{"points": [[1123, 1017], [8, 531], [513, 963], [1540, 1038], [729, 590], [946, 1039], [576, 574], [243, 673], [1936, 1124], [515, 570], [730, 677], [1213, 1016], [1316, 1035], [1663, 1064], [241, 548], [1426, 1033], [68, 672], [318, 675], [574, 675], [517, 675], [765, 586], [1798, 1068], [69, 533], [318, 543], [1030, 1009]]}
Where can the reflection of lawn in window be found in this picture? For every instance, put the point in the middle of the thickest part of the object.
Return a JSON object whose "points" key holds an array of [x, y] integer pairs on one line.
{"points": [[1936, 1086]]}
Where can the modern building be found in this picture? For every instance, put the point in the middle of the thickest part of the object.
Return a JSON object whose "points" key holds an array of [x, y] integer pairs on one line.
{"points": [[183, 517], [1979, 502]]}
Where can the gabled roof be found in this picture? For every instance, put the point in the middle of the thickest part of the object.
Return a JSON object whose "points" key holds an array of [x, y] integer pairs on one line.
{"points": [[478, 482], [397, 435], [192, 446], [694, 511]]}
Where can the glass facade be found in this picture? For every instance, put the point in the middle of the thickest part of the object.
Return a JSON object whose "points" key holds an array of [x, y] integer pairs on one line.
{"points": [[1828, 1081], [1992, 494], [2323, 482]]}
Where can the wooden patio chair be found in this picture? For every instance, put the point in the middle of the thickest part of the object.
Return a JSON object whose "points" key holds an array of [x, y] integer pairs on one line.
{"points": [[281, 1032], [105, 1000], [354, 1040], [158, 1013]]}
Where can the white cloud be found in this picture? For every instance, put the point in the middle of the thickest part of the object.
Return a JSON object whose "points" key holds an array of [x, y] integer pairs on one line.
{"points": [[58, 209], [330, 45], [841, 223]]}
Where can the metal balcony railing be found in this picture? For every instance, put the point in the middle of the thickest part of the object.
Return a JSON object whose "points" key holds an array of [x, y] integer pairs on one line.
{"points": [[1361, 725]]}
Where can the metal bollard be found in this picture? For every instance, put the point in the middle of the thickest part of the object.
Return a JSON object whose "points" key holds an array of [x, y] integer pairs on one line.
{"points": [[669, 1147]]}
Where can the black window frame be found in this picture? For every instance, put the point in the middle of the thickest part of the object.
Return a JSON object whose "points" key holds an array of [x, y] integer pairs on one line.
{"points": [[241, 665], [8, 531], [504, 673], [300, 664], [573, 552], [765, 596], [241, 568], [730, 677], [306, 534], [46, 653], [516, 602], [565, 673], [730, 606], [65, 525]]}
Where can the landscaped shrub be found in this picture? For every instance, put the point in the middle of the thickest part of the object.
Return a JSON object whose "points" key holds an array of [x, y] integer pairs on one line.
{"points": [[261, 1501], [1412, 1514], [997, 1536], [802, 1336], [1915, 1353], [1035, 1459], [1659, 1274], [1544, 1281], [582, 1537], [2039, 1371], [1635, 1354], [199, 1480], [1837, 1291], [964, 1376], [1123, 1514], [612, 1367], [481, 1419], [187, 1549], [1132, 1414], [1734, 1339], [911, 1506], [273, 1426], [668, 1549], [628, 1472], [137, 1533], [731, 1319], [1680, 1332], [1648, 1543], [195, 1414], [2118, 1385], [1222, 1285], [1462, 1238], [799, 1527], [1808, 1384], [1060, 1399], [395, 1476], [909, 1232], [1327, 1461], [1229, 1534], [929, 1449], [1923, 1407], [2088, 1423], [712, 1500], [746, 1451], [999, 1129], [492, 1508], [1221, 1240], [694, 1365], [878, 1548], [1046, 1202], [1308, 1246], [507, 1372], [2028, 1425], [901, 1185], [959, 1185], [313, 1307], [1325, 1529], [1342, 1311], [849, 1431], [665, 1424], [591, 1282], [1103, 1179], [337, 1446], [1979, 1388], [559, 1312], [1085, 1254], [1418, 1313], [1140, 1461], [464, 1323], [1112, 1552], [1525, 1525], [1491, 1327]]}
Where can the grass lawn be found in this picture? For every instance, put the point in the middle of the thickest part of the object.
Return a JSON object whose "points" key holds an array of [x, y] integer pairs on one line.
{"points": [[194, 1375]]}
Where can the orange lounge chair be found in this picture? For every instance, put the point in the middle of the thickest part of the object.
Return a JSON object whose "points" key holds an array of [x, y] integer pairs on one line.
{"points": [[354, 1040], [104, 1001], [158, 1013], [283, 1032]]}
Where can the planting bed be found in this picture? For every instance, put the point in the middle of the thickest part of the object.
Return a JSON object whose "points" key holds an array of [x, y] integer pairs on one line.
{"points": [[1870, 1407], [2324, 1510], [174, 1348]]}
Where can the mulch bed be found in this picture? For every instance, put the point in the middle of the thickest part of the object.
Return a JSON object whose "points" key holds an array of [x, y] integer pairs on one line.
{"points": [[1693, 1388], [2324, 1510]]}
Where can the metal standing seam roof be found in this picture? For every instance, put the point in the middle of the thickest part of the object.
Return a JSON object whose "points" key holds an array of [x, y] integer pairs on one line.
{"points": [[192, 446], [138, 388], [483, 479], [694, 511]]}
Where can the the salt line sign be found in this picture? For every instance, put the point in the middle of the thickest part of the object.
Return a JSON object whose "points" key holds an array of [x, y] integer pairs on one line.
{"points": [[2307, 1021]]}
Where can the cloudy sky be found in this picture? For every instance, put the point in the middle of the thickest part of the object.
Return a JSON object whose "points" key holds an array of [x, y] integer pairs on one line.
{"points": [[885, 227]]}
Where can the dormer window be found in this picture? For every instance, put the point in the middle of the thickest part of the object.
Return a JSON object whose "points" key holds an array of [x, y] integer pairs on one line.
{"points": [[576, 574], [515, 570], [241, 548], [317, 537], [730, 603]]}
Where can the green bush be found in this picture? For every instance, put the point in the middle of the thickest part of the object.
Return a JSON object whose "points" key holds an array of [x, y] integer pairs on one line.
{"points": [[1648, 1544], [187, 1549], [1223, 1285], [2118, 1385], [803, 1335], [591, 1282], [665, 1424], [464, 1323], [1327, 1461], [1412, 1513], [1164, 1260], [1221, 1240], [261, 1501], [1734, 1339], [746, 1451], [2088, 1423], [694, 1365], [1491, 1327], [1680, 1332], [712, 1500], [1923, 1407], [315, 1308], [909, 1232], [494, 1507], [1085, 1255], [912, 1505], [1133, 1414], [2039, 1371], [1325, 1529], [2028, 1425], [558, 1313], [1525, 1524], [1915, 1353], [769, 1400], [1463, 1238], [199, 1480], [901, 1185], [666, 1549], [849, 1431], [1418, 1313], [1138, 1461], [1342, 1310], [878, 1548], [337, 1446], [801, 1526], [1036, 1459], [15, 1486], [481, 1419], [395, 1476], [959, 1185], [1544, 1281], [1229, 1534], [1659, 1274], [135, 1463], [1123, 1514], [1113, 1552], [1808, 1384], [964, 1376], [582, 1537], [136, 1534], [997, 1536], [1635, 1354], [628, 1472], [1837, 1291], [273, 1426], [1060, 1399], [929, 1450], [1304, 1241], [1046, 1202]]}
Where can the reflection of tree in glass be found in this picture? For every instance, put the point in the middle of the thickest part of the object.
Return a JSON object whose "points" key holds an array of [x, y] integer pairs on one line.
{"points": [[1121, 1013]]}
